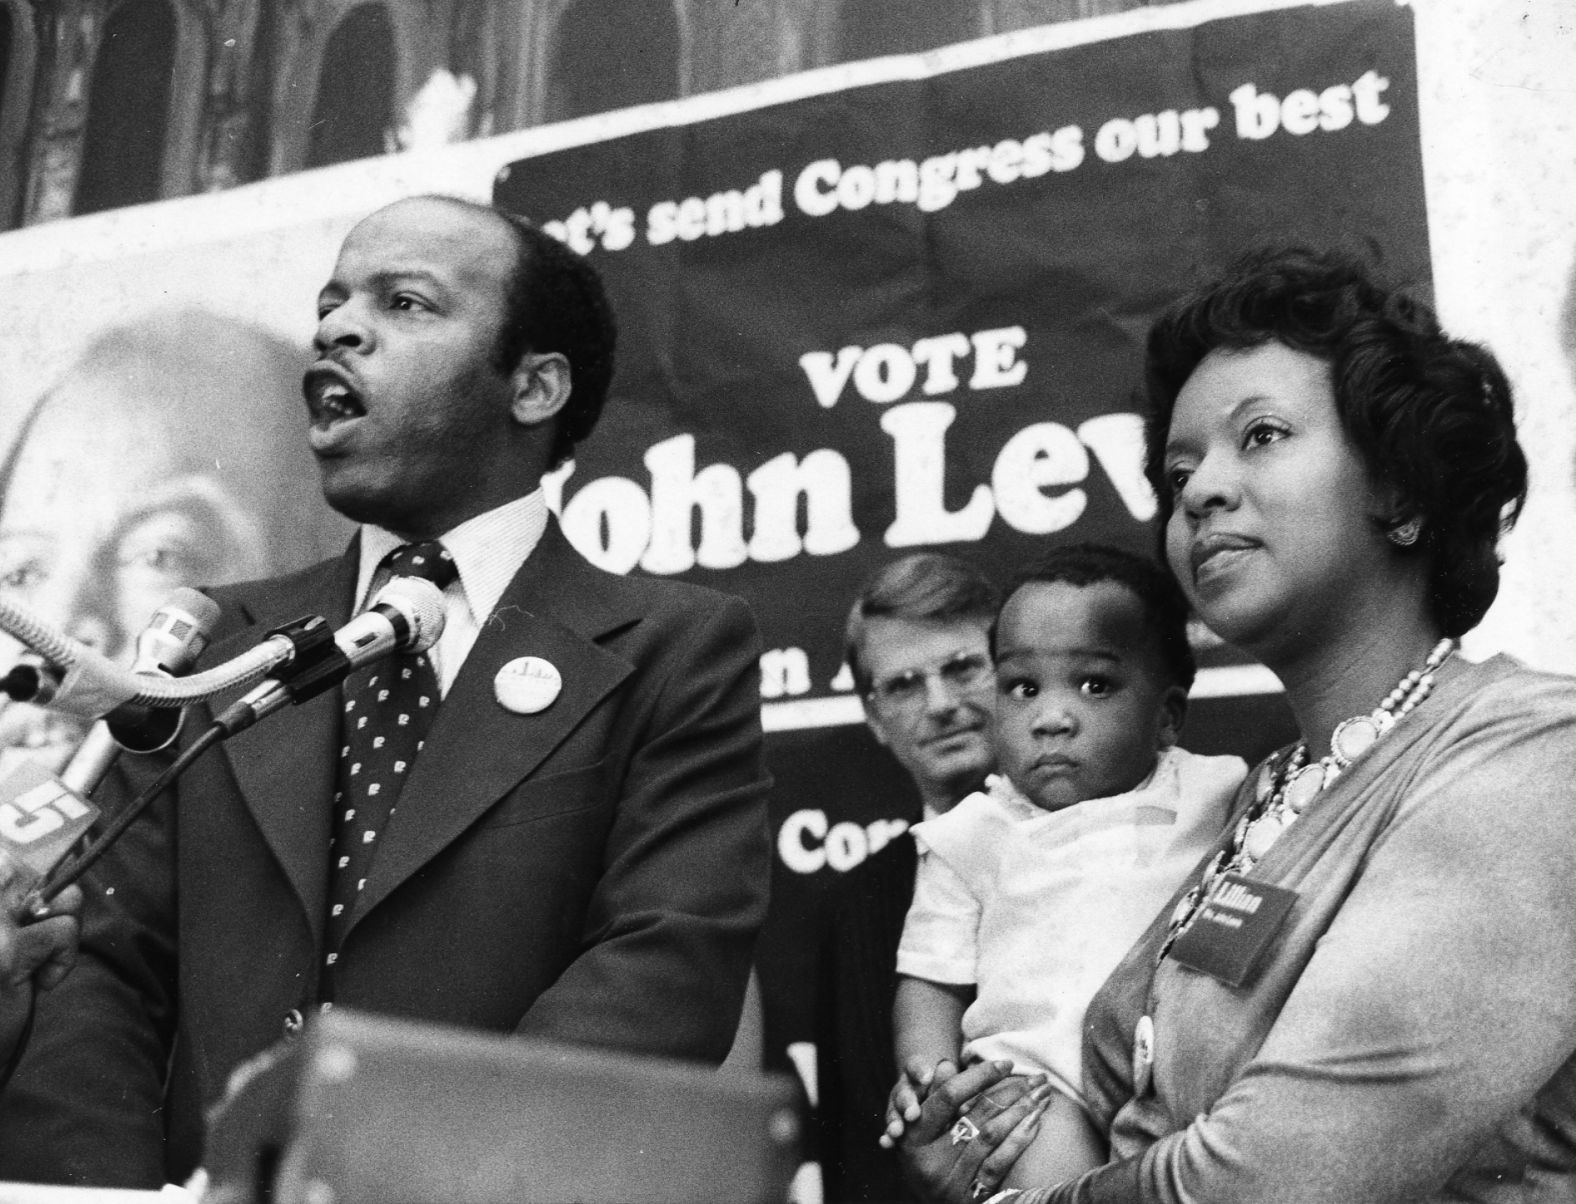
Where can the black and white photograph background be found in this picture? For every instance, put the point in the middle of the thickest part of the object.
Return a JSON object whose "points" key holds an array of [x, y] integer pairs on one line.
{"points": [[866, 307]]}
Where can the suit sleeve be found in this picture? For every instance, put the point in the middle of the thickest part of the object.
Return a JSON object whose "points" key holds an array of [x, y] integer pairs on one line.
{"points": [[1435, 1008], [672, 924], [85, 1107]]}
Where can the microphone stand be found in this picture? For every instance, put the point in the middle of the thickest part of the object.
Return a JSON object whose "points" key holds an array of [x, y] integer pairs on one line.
{"points": [[411, 607], [66, 873], [313, 659]]}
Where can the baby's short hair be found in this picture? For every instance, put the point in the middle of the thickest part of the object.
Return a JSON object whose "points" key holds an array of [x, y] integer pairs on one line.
{"points": [[1165, 606]]}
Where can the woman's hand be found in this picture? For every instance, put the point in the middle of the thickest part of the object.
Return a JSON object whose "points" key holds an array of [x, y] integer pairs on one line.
{"points": [[972, 1126]]}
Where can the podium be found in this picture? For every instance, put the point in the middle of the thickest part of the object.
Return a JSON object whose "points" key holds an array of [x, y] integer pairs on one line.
{"points": [[370, 1110]]}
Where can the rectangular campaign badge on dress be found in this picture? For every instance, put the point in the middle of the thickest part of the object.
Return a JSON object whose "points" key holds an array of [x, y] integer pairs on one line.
{"points": [[1232, 928]]}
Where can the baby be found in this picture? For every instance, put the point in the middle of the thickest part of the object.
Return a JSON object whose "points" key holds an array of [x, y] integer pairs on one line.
{"points": [[1030, 892]]}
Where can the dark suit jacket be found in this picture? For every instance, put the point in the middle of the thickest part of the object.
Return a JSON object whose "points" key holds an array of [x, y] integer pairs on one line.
{"points": [[861, 923], [594, 873]]}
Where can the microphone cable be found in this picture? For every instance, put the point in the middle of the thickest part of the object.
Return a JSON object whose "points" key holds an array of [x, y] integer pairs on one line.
{"points": [[67, 872]]}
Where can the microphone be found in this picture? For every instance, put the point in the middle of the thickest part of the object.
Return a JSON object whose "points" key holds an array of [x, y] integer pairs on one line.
{"points": [[43, 815], [406, 615], [32, 679], [177, 633], [170, 644], [91, 688]]}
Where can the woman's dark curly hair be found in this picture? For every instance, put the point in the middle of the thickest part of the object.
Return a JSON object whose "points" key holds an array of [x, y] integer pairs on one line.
{"points": [[1430, 415]]}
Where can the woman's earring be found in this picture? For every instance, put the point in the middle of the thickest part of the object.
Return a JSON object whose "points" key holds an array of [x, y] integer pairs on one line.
{"points": [[1404, 535]]}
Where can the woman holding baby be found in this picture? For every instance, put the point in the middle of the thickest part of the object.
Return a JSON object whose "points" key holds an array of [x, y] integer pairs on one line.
{"points": [[1367, 989]]}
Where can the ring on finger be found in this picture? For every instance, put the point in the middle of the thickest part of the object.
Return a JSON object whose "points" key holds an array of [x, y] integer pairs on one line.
{"points": [[979, 1190], [964, 1131]]}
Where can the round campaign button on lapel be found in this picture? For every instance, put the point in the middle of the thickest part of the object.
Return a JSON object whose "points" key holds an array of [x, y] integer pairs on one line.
{"points": [[1143, 1055], [527, 684]]}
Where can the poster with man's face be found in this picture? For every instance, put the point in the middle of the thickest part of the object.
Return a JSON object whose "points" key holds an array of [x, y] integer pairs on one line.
{"points": [[166, 453]]}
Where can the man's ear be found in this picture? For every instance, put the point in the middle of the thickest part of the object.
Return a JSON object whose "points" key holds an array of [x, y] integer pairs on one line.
{"points": [[1173, 710], [541, 387]]}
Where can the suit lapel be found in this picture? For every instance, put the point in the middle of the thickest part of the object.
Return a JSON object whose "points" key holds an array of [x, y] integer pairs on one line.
{"points": [[478, 751], [286, 765]]}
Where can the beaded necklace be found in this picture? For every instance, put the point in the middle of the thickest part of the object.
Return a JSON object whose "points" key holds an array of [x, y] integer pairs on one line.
{"points": [[1287, 785]]}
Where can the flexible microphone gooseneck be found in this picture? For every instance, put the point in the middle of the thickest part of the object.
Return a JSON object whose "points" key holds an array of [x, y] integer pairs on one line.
{"points": [[170, 644], [405, 616]]}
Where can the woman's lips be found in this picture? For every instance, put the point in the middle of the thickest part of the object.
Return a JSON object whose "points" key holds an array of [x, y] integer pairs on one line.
{"points": [[1214, 555]]}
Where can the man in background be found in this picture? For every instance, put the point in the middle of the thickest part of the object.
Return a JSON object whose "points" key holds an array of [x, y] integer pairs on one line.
{"points": [[552, 823], [917, 641]]}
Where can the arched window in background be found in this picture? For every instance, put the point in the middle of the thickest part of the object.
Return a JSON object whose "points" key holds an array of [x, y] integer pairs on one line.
{"points": [[128, 108], [872, 28], [6, 40], [475, 52], [18, 58], [609, 54], [355, 89]]}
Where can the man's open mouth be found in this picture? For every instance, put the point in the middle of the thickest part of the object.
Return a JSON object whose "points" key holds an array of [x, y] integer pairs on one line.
{"points": [[330, 396]]}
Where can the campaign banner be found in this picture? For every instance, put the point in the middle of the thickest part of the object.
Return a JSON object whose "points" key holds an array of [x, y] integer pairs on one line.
{"points": [[910, 314]]}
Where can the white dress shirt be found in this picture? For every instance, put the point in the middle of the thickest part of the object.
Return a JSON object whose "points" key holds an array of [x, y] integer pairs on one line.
{"points": [[488, 550]]}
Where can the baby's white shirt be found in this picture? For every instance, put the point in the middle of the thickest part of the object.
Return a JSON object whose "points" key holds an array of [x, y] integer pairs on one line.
{"points": [[1036, 908]]}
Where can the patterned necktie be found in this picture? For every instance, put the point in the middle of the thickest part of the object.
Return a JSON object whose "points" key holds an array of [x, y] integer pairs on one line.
{"points": [[388, 707]]}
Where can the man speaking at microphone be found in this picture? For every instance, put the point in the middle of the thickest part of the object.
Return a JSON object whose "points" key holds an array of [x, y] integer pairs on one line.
{"points": [[552, 823]]}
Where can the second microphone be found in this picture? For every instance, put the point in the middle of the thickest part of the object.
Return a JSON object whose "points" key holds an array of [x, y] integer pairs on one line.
{"points": [[406, 615]]}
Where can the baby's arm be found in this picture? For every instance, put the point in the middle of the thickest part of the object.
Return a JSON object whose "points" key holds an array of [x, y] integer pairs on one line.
{"points": [[936, 962], [927, 1023]]}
